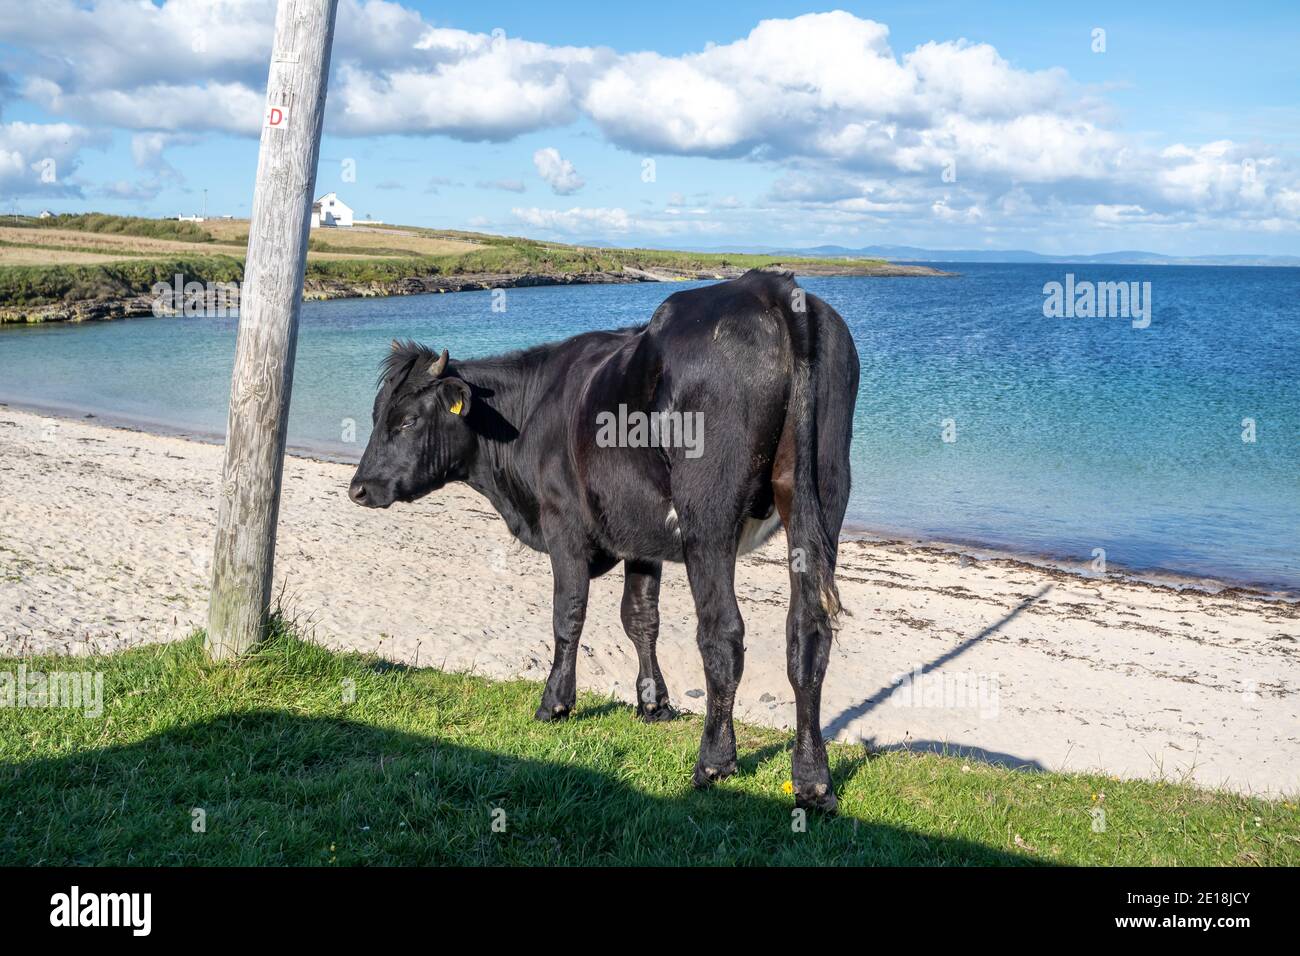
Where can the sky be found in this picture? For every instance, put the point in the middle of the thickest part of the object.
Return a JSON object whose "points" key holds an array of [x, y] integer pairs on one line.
{"points": [[1071, 128]]}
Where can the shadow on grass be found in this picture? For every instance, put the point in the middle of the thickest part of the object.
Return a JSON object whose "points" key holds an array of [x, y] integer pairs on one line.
{"points": [[270, 787]]}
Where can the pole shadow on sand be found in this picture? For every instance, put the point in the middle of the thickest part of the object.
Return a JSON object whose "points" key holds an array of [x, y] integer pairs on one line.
{"points": [[843, 720]]}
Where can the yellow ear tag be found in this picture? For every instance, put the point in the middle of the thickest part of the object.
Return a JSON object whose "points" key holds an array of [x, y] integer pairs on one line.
{"points": [[455, 409]]}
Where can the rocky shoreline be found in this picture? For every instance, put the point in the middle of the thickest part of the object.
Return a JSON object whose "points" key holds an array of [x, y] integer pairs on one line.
{"points": [[317, 289]]}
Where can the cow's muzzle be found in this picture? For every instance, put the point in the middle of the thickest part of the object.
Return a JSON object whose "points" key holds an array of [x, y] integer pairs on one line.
{"points": [[368, 495]]}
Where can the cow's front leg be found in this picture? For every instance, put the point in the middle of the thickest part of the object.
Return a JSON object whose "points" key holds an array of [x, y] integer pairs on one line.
{"points": [[569, 611], [640, 613]]}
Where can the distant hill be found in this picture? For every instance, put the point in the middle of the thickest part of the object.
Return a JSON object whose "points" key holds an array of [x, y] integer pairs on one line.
{"points": [[916, 254]]}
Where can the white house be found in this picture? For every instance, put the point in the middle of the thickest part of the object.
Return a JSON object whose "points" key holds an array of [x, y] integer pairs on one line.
{"points": [[330, 210], [45, 214]]}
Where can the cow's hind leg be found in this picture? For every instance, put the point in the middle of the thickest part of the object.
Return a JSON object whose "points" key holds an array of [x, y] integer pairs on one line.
{"points": [[808, 649], [569, 612], [641, 621], [711, 569], [808, 627]]}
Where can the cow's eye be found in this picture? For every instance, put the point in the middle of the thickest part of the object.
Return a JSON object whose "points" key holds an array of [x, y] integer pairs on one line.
{"points": [[407, 422]]}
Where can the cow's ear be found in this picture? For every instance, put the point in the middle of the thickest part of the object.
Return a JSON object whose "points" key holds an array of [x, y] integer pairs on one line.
{"points": [[454, 394]]}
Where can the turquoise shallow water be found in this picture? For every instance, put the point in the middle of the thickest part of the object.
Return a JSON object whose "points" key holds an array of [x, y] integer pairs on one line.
{"points": [[1071, 434]]}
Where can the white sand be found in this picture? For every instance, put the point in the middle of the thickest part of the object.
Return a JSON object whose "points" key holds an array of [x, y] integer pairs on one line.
{"points": [[105, 537]]}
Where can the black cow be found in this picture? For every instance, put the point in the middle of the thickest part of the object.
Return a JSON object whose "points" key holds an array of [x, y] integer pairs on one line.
{"points": [[751, 384]]}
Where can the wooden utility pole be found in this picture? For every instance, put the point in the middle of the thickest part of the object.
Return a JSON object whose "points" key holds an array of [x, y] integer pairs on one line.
{"points": [[249, 498]]}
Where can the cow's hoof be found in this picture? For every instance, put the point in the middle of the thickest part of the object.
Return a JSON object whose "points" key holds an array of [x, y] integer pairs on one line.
{"points": [[818, 797], [548, 713], [706, 776], [654, 713]]}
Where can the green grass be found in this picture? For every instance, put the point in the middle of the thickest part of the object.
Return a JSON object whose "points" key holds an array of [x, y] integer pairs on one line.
{"points": [[107, 223], [316, 245], [517, 256], [62, 247], [30, 285], [411, 771]]}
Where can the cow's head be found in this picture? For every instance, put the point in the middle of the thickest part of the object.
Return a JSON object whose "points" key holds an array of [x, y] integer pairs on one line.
{"points": [[421, 439]]}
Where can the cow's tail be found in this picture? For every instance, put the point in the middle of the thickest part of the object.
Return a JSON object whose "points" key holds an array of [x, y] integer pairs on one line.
{"points": [[823, 389]]}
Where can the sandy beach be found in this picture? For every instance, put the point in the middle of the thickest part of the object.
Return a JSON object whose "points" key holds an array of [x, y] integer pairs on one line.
{"points": [[105, 537]]}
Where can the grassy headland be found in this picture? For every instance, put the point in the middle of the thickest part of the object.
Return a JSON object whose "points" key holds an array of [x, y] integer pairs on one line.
{"points": [[108, 224], [98, 266], [302, 756]]}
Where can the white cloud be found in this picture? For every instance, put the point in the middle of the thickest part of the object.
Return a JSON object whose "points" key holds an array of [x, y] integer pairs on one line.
{"points": [[40, 159], [224, 107], [144, 190], [470, 87], [1216, 176], [947, 213], [856, 128], [123, 44], [581, 221], [576, 219], [1119, 214], [557, 171], [147, 152], [828, 86]]}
